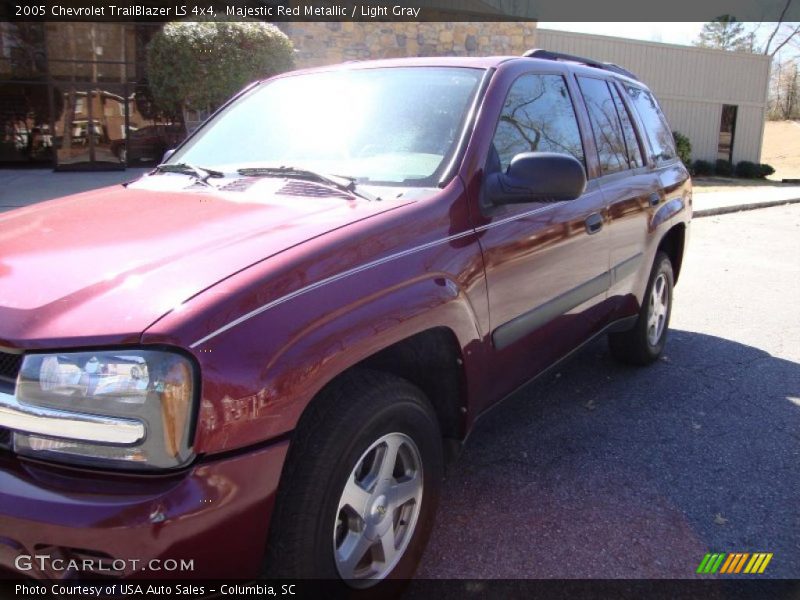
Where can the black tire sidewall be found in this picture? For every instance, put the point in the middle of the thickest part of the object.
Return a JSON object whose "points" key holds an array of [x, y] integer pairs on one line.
{"points": [[408, 416], [662, 266]]}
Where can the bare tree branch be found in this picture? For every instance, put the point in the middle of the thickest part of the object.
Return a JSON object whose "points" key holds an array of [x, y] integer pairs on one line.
{"points": [[793, 33], [777, 26]]}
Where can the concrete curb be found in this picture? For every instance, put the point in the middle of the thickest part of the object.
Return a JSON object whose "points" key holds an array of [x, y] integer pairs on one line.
{"points": [[723, 210]]}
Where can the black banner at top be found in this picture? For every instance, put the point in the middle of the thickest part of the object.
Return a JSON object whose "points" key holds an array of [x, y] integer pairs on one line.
{"points": [[397, 10]]}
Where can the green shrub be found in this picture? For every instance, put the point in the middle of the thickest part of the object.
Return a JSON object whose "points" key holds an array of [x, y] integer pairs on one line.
{"points": [[199, 64], [723, 168], [684, 147], [702, 167], [747, 169], [751, 170], [765, 170]]}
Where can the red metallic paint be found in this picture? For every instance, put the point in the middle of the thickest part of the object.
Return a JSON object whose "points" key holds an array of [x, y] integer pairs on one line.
{"points": [[46, 510], [98, 268]]}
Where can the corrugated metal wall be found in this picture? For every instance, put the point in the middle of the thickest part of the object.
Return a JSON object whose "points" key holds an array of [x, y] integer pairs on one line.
{"points": [[692, 84]]}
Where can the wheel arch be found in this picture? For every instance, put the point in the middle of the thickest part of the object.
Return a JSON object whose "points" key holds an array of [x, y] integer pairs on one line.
{"points": [[433, 361], [673, 245]]}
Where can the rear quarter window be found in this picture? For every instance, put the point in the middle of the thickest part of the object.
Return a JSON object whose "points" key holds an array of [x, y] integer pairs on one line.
{"points": [[655, 124], [606, 126]]}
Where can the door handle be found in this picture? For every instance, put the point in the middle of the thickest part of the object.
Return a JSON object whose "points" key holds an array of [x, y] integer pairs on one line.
{"points": [[594, 223], [653, 199]]}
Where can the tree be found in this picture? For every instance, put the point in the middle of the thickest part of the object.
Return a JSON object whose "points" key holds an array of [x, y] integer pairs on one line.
{"points": [[726, 33], [788, 33], [197, 65], [784, 101]]}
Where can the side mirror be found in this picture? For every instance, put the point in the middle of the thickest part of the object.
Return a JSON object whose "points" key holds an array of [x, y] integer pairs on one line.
{"points": [[167, 154], [537, 177]]}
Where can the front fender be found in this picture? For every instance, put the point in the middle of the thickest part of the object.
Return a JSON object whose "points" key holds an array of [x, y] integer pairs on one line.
{"points": [[250, 396], [269, 337]]}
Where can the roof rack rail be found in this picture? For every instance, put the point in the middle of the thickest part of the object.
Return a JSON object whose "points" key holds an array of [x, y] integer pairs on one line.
{"points": [[606, 66]]}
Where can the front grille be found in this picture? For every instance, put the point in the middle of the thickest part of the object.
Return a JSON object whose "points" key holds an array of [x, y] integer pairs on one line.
{"points": [[5, 438], [9, 368]]}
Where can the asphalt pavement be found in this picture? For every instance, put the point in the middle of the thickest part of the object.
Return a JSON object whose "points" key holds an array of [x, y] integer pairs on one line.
{"points": [[23, 187], [606, 471]]}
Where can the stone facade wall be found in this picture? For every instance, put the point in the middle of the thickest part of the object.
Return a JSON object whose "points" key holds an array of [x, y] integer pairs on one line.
{"points": [[328, 43]]}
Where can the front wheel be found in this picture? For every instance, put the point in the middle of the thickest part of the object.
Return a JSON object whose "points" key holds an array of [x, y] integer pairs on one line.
{"points": [[645, 342], [361, 484]]}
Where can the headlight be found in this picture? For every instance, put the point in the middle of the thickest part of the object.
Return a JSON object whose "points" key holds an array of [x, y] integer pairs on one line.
{"points": [[129, 409]]}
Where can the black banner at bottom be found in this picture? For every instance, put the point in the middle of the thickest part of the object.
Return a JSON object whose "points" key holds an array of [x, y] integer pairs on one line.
{"points": [[418, 589]]}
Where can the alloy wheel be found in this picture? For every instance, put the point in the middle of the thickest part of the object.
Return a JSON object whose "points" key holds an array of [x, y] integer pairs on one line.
{"points": [[657, 309], [378, 510]]}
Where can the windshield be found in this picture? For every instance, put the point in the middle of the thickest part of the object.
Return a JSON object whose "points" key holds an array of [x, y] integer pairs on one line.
{"points": [[389, 126]]}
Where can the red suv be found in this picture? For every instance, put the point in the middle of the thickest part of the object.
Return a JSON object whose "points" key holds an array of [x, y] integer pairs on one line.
{"points": [[257, 359]]}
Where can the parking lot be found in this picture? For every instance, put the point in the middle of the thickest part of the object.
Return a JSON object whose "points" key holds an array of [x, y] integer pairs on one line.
{"points": [[604, 471]]}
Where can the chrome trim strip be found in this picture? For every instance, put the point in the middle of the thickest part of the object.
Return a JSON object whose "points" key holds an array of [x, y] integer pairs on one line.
{"points": [[364, 267], [63, 424], [519, 216]]}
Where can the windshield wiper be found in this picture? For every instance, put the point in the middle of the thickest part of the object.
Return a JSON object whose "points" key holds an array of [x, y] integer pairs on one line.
{"points": [[201, 174], [341, 182]]}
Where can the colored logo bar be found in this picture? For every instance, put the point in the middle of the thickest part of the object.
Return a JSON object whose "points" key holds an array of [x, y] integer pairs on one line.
{"points": [[734, 562]]}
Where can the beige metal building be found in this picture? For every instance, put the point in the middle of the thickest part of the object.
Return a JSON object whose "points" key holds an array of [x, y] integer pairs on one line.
{"points": [[716, 98]]}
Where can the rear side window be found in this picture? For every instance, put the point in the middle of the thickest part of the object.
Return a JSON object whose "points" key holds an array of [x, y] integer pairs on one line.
{"points": [[537, 116], [606, 126], [655, 124], [631, 141]]}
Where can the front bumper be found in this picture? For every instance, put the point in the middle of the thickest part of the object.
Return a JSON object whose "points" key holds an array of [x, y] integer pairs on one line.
{"points": [[209, 521]]}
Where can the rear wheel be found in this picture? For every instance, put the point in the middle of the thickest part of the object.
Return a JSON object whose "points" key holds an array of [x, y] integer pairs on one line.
{"points": [[645, 342], [360, 487]]}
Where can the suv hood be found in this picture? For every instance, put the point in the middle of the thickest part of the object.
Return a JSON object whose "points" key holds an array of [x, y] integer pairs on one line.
{"points": [[100, 267]]}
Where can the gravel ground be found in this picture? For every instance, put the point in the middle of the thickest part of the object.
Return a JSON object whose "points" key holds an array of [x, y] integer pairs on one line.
{"points": [[781, 148], [606, 471]]}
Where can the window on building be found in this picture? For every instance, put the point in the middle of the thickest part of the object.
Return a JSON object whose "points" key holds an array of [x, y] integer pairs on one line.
{"points": [[606, 125], [655, 124], [537, 116], [727, 129]]}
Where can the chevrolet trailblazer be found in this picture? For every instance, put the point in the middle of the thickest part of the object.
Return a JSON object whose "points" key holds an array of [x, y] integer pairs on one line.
{"points": [[258, 357]]}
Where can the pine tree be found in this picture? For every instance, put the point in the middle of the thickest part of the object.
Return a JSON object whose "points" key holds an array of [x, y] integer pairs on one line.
{"points": [[726, 33]]}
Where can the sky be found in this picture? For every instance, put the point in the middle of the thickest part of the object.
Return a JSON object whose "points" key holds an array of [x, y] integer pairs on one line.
{"points": [[668, 33]]}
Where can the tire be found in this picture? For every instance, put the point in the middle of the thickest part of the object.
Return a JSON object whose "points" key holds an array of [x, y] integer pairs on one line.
{"points": [[331, 500], [645, 342]]}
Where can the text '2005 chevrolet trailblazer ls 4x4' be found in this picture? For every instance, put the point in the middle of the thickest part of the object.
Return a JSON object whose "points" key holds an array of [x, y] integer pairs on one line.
{"points": [[258, 356]]}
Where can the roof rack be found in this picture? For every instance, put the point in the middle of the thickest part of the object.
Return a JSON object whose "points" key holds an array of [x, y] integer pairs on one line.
{"points": [[606, 66]]}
